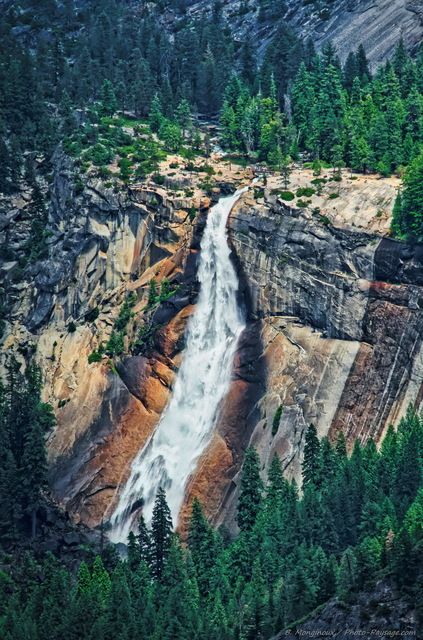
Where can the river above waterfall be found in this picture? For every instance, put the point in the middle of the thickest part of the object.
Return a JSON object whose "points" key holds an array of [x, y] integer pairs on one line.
{"points": [[171, 454]]}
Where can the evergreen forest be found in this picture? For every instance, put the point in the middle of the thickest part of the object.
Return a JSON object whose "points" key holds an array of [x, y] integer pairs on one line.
{"points": [[67, 69], [359, 520], [103, 82]]}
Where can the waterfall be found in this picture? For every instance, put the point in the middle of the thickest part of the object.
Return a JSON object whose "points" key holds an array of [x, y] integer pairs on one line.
{"points": [[170, 455]]}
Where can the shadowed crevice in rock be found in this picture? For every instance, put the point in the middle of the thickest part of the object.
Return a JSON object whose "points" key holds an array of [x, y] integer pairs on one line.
{"points": [[398, 262]]}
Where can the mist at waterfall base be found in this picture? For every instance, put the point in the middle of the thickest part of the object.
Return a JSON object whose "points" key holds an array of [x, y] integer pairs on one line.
{"points": [[185, 428]]}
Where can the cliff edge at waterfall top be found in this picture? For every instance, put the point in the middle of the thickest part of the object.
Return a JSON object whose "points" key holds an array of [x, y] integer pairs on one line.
{"points": [[211, 319]]}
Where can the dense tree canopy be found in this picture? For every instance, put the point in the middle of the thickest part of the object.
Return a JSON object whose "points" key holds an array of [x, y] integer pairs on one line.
{"points": [[359, 519], [24, 422]]}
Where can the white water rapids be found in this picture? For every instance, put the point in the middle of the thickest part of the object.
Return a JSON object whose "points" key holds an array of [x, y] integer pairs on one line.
{"points": [[186, 426]]}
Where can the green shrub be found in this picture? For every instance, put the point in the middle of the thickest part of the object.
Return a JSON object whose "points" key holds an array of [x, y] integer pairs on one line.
{"points": [[158, 178], [104, 172], [79, 187], [207, 169], [333, 196], [99, 154], [71, 327], [302, 204], [115, 344], [305, 191], [277, 420], [325, 221], [286, 195], [95, 357], [164, 290], [125, 166]]}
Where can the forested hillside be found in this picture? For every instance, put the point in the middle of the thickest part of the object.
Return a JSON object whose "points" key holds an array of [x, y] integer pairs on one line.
{"points": [[121, 57], [358, 522], [95, 97]]}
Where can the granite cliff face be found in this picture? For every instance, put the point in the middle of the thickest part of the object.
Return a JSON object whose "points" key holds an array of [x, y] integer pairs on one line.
{"points": [[376, 24], [103, 246], [337, 313], [333, 337]]}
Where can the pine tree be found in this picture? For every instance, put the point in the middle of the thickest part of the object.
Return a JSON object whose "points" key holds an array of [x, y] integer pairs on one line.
{"points": [[119, 614], [156, 115], [311, 465], [400, 59], [144, 540], [409, 475], [341, 447], [108, 101], [250, 499], [161, 534], [408, 216], [363, 64], [134, 553], [256, 603], [275, 483], [100, 582], [202, 546], [34, 471], [183, 116]]}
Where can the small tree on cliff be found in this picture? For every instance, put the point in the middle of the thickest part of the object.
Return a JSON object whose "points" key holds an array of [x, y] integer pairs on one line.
{"points": [[250, 499], [152, 295]]}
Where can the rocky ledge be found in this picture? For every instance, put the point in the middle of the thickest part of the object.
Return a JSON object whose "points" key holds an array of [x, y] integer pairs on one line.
{"points": [[337, 321]]}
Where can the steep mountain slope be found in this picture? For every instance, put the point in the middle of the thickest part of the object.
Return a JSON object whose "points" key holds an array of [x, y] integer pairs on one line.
{"points": [[322, 341], [376, 24], [321, 345]]}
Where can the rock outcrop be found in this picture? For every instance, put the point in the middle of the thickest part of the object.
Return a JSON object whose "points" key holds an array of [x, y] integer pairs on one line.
{"points": [[337, 315], [376, 24], [334, 327], [103, 246], [384, 612]]}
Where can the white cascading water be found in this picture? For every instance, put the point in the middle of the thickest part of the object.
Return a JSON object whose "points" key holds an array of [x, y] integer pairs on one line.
{"points": [[185, 429]]}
